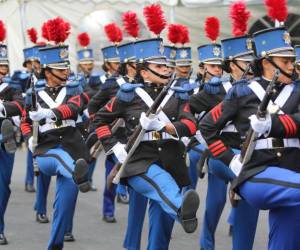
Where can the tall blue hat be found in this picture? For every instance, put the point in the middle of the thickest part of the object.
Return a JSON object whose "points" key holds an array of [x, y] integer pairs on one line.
{"points": [[56, 57], [127, 52], [170, 54], [84, 55], [32, 53], [238, 48], [210, 54], [297, 50], [273, 42], [3, 54], [110, 54], [183, 56], [151, 51]]}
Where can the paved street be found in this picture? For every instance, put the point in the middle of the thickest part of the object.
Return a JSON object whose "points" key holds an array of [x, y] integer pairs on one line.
{"points": [[90, 231]]}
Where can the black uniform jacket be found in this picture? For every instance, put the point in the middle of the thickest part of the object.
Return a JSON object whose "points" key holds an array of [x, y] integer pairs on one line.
{"points": [[168, 153], [68, 137], [239, 104]]}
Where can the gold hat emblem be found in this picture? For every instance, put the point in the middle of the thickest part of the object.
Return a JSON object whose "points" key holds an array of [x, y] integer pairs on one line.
{"points": [[172, 53], [3, 52], [64, 53], [86, 54], [286, 38], [216, 51], [249, 44], [183, 54]]}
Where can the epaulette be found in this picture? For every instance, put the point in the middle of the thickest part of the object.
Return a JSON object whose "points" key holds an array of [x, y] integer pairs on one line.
{"points": [[213, 86], [126, 92], [73, 88], [79, 77], [109, 83], [239, 89], [97, 78], [182, 92], [40, 85]]}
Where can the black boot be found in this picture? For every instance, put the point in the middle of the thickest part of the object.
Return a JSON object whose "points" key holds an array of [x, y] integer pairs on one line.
{"points": [[8, 136], [29, 188], [69, 237], [80, 175], [188, 211], [42, 218], [3, 240], [123, 199], [109, 219]]}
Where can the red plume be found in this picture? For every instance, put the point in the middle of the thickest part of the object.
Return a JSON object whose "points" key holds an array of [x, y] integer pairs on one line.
{"points": [[277, 9], [131, 23], [83, 39], [113, 33], [155, 19], [174, 32], [56, 30], [45, 33], [32, 34], [239, 16], [212, 28], [2, 31], [184, 34]]}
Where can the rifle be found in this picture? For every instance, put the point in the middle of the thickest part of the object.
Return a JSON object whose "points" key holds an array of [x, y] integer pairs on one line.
{"points": [[136, 137], [250, 141], [35, 124]]}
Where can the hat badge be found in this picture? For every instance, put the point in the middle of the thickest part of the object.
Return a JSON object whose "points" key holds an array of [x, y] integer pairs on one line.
{"points": [[172, 53], [286, 38], [249, 44], [183, 53], [3, 52], [216, 51], [63, 53], [86, 54], [161, 48]]}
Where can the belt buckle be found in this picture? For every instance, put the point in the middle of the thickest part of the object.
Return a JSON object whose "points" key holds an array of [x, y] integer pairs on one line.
{"points": [[57, 126], [277, 143], [156, 135]]}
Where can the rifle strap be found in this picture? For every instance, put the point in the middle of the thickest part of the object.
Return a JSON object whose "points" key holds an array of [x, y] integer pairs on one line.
{"points": [[3, 86]]}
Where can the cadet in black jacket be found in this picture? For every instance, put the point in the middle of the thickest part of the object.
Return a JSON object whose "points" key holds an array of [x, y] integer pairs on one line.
{"points": [[269, 179], [157, 168]]}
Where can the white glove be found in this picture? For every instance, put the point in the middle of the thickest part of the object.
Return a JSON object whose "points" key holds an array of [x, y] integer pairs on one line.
{"points": [[151, 123], [41, 114], [235, 165], [261, 126], [120, 152], [30, 143]]}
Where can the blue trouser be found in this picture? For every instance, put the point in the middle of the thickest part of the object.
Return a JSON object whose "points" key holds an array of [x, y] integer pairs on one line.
{"points": [[6, 167], [43, 183], [29, 179], [136, 214], [277, 190], [194, 159], [109, 195], [91, 170], [243, 229], [51, 163]]}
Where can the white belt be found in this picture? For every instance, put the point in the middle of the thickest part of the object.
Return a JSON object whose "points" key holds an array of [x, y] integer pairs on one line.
{"points": [[154, 136], [229, 128], [52, 125], [268, 143]]}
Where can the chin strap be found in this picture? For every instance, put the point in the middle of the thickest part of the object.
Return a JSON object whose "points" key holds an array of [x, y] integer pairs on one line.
{"points": [[244, 70], [58, 77], [291, 76], [157, 74], [131, 65]]}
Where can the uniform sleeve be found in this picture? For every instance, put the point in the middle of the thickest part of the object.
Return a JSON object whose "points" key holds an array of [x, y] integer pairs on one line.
{"points": [[104, 119], [198, 103], [98, 101], [15, 106], [213, 123], [285, 126], [70, 110], [186, 124]]}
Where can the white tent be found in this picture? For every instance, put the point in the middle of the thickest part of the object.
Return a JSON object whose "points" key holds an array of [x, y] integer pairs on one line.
{"points": [[19, 15]]}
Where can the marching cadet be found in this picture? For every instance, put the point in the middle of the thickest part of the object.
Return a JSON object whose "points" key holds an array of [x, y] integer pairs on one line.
{"points": [[60, 150], [11, 105], [297, 62], [32, 65], [268, 178], [157, 168]]}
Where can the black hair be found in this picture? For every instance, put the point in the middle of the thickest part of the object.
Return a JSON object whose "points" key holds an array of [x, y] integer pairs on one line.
{"points": [[104, 67], [139, 68], [257, 67], [226, 66], [122, 70]]}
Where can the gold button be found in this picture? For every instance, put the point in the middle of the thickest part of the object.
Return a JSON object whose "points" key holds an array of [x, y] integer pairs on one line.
{"points": [[279, 154], [159, 149]]}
